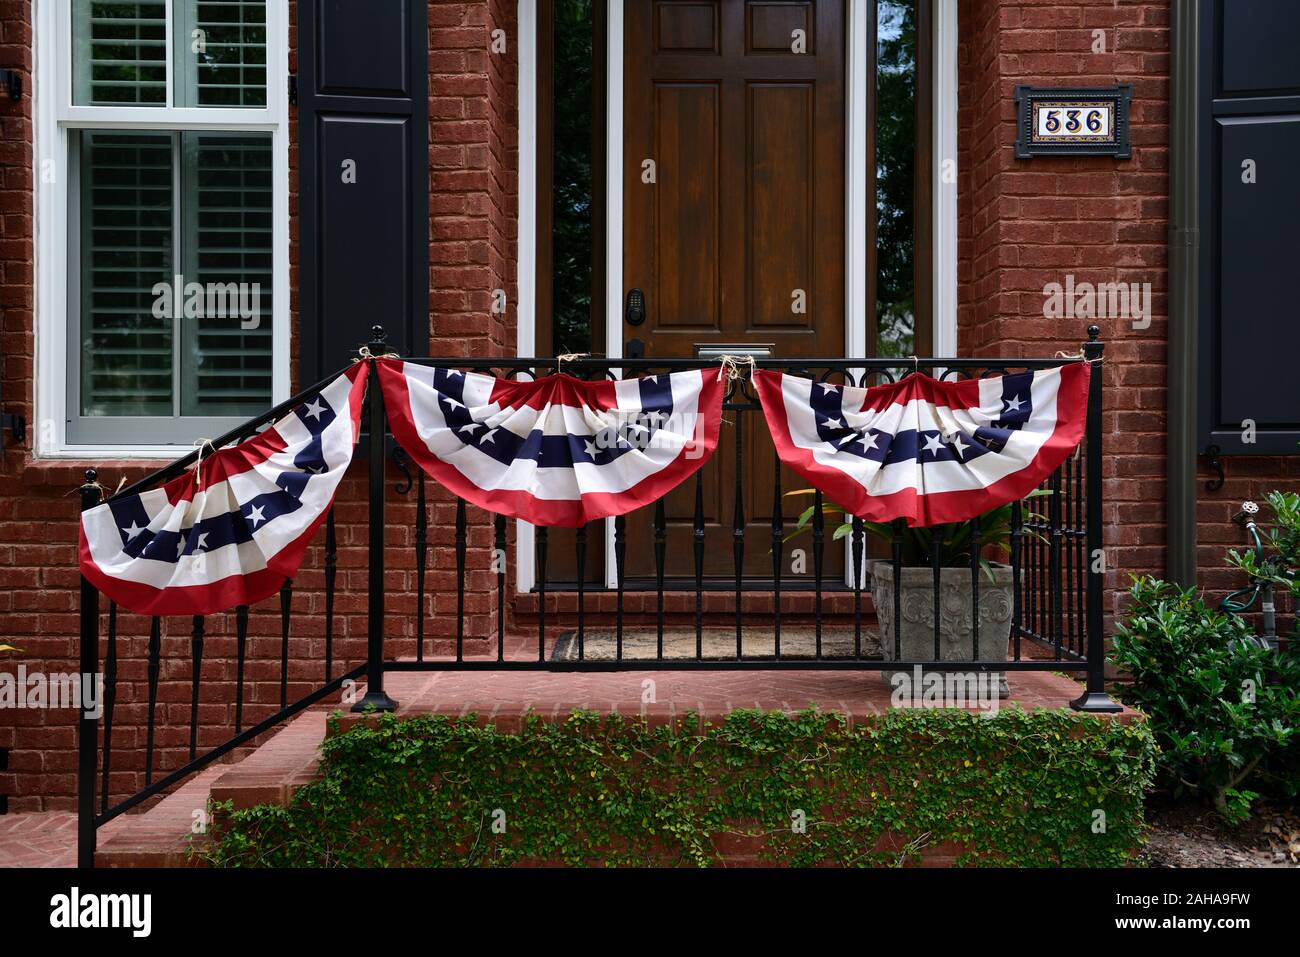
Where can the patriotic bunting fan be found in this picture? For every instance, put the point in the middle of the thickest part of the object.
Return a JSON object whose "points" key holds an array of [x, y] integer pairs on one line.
{"points": [[232, 530], [926, 450], [558, 450]]}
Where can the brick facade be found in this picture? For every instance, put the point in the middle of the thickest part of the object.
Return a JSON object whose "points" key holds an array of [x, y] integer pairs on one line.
{"points": [[1022, 225]]}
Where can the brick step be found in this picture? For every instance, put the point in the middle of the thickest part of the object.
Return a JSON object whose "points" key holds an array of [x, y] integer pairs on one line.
{"points": [[163, 835]]}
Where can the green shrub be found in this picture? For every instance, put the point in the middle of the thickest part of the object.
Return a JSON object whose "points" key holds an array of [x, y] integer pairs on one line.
{"points": [[1035, 788], [1218, 704]]}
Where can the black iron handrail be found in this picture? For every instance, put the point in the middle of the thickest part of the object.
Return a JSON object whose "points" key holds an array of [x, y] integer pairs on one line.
{"points": [[1056, 593]]}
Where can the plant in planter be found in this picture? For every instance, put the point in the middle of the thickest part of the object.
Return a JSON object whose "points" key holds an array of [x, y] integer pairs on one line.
{"points": [[955, 544]]}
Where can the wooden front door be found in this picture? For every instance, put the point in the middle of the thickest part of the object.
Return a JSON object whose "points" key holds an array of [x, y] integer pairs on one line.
{"points": [[734, 170]]}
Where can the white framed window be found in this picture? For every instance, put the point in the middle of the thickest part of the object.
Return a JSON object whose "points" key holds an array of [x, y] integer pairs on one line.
{"points": [[162, 221]]}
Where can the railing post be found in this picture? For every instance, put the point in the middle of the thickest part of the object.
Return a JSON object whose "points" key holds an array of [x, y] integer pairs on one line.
{"points": [[1095, 697], [375, 698], [87, 732]]}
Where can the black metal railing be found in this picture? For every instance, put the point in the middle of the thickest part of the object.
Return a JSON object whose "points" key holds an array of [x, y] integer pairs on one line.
{"points": [[1053, 563]]}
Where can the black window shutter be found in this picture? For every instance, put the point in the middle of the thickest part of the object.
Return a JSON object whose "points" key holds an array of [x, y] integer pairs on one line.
{"points": [[363, 179], [1250, 250]]}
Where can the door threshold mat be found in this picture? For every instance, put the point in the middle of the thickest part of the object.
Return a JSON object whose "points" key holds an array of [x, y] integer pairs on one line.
{"points": [[798, 642]]}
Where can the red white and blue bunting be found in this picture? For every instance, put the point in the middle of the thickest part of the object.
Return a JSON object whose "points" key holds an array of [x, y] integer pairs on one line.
{"points": [[231, 530], [558, 450], [925, 450]]}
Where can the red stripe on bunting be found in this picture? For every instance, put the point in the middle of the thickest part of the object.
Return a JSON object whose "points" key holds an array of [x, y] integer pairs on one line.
{"points": [[558, 389], [957, 394], [567, 513], [934, 508], [226, 463]]}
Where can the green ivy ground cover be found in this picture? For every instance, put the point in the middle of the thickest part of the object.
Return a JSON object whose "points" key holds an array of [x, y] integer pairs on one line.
{"points": [[1041, 788]]}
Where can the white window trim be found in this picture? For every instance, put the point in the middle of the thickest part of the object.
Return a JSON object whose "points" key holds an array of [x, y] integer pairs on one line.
{"points": [[54, 116], [944, 213], [944, 188]]}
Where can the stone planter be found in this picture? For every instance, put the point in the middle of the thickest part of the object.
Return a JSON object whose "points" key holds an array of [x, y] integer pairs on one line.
{"points": [[916, 602]]}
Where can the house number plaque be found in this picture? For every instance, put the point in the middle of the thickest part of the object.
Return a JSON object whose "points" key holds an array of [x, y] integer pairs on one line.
{"points": [[1072, 121]]}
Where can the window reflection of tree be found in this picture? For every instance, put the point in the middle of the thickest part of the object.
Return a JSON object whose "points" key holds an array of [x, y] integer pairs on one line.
{"points": [[895, 171], [572, 191]]}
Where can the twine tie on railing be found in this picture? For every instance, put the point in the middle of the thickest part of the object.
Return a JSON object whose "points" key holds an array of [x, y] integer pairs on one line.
{"points": [[104, 494], [364, 353], [201, 444], [730, 365], [1076, 356], [564, 357]]}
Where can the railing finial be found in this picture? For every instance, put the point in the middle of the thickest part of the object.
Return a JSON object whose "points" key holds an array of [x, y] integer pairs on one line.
{"points": [[1094, 347], [377, 334]]}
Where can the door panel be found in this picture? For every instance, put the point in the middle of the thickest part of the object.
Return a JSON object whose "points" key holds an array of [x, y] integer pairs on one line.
{"points": [[738, 236]]}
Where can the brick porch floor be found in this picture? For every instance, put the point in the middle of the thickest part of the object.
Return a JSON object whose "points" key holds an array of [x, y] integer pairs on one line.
{"points": [[161, 836]]}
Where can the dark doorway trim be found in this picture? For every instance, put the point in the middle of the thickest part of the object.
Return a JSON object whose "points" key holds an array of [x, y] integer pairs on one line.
{"points": [[1184, 286]]}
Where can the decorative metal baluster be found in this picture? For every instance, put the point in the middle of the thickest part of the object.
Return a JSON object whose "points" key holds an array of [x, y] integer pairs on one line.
{"points": [[936, 566], [155, 665], [819, 555], [461, 548], [620, 560], [196, 665], [331, 574], [241, 655], [660, 550], [580, 547], [778, 542], [500, 558], [109, 699], [896, 563], [421, 558], [1054, 573], [858, 559], [1081, 546], [738, 540], [698, 536], [975, 536], [1067, 533], [1017, 557], [1043, 627], [541, 592], [286, 600], [1031, 579]]}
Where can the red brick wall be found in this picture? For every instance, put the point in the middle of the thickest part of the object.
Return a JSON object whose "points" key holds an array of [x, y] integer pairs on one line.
{"points": [[1023, 224], [474, 195]]}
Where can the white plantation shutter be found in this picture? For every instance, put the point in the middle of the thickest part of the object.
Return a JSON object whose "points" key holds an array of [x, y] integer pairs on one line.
{"points": [[130, 357], [127, 247], [227, 241], [120, 53], [230, 71]]}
